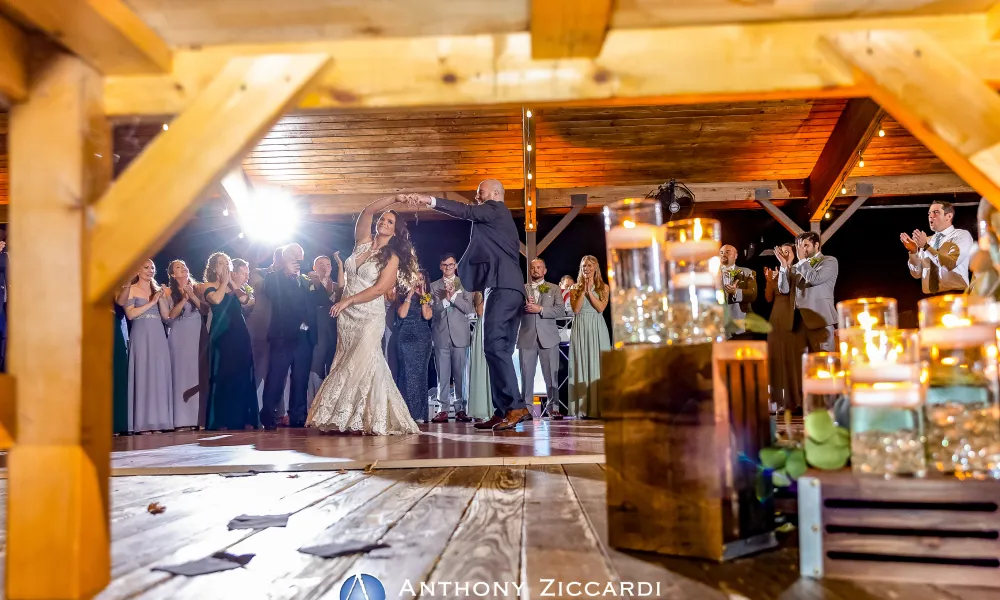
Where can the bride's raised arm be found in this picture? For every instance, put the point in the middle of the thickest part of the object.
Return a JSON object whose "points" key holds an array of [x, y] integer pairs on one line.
{"points": [[363, 228], [386, 279]]}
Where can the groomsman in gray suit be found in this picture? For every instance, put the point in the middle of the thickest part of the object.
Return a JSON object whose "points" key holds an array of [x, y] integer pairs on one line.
{"points": [[813, 278], [538, 336], [452, 336]]}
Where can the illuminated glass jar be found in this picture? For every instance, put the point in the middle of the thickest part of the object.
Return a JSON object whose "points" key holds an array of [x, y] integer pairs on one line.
{"points": [[695, 304], [824, 384], [958, 336], [886, 386], [636, 271], [868, 314]]}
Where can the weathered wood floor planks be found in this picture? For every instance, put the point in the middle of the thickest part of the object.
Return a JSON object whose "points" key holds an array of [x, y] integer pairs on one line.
{"points": [[516, 531]]}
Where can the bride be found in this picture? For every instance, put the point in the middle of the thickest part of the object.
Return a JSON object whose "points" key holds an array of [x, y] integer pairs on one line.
{"points": [[359, 394]]}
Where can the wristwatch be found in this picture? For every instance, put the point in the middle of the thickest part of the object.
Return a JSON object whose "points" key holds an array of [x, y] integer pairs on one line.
{"points": [[926, 246]]}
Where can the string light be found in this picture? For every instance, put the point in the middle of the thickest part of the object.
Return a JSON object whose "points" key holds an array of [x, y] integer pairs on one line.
{"points": [[861, 163], [225, 212], [166, 127], [843, 190], [241, 235], [529, 202], [529, 175], [881, 132], [527, 114], [828, 216], [529, 147]]}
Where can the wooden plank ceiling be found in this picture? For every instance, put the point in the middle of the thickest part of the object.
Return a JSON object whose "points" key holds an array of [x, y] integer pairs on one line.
{"points": [[204, 22]]}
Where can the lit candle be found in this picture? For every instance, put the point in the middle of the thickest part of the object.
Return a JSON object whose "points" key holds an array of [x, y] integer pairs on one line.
{"points": [[886, 394], [700, 279], [693, 251], [632, 236], [957, 337], [884, 372], [823, 386]]}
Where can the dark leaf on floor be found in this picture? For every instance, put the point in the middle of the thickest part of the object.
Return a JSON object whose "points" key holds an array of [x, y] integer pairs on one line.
{"points": [[258, 521], [219, 561], [342, 548], [155, 508], [250, 473]]}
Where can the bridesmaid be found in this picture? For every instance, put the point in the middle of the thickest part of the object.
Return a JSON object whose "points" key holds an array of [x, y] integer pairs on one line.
{"points": [[232, 392], [120, 406], [588, 298], [150, 383], [412, 337], [480, 394], [784, 345], [184, 338]]}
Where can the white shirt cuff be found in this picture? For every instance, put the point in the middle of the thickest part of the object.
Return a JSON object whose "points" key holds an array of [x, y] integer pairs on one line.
{"points": [[433, 202], [445, 303], [454, 296]]}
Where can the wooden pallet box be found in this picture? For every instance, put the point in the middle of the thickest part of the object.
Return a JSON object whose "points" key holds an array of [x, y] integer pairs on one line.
{"points": [[680, 425], [937, 530]]}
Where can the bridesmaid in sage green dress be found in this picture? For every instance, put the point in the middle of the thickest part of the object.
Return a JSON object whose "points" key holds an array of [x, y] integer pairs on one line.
{"points": [[588, 298], [120, 406], [480, 395]]}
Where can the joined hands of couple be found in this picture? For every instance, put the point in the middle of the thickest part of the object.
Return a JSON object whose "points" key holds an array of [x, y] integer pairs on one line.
{"points": [[415, 200]]}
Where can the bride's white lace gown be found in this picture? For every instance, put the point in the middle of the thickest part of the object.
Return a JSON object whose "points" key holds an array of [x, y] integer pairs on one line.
{"points": [[359, 394]]}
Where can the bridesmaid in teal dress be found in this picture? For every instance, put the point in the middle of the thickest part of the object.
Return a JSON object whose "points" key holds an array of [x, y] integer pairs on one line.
{"points": [[480, 395], [232, 389], [588, 298]]}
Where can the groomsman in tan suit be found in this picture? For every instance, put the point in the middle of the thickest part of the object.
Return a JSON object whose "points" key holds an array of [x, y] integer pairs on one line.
{"points": [[940, 261]]}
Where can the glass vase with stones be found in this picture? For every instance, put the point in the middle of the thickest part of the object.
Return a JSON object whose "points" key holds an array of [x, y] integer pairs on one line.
{"points": [[636, 271], [958, 336], [695, 303], [887, 389]]}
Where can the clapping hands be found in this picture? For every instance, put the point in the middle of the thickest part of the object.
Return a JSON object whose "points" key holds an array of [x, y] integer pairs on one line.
{"points": [[784, 255], [919, 238]]}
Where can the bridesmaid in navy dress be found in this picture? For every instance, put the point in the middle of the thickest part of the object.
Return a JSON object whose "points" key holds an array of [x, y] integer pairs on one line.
{"points": [[232, 389], [412, 337], [150, 383]]}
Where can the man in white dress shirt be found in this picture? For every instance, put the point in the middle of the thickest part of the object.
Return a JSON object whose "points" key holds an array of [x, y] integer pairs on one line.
{"points": [[940, 261]]}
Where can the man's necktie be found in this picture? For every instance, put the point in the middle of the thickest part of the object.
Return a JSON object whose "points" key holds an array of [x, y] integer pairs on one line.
{"points": [[933, 277]]}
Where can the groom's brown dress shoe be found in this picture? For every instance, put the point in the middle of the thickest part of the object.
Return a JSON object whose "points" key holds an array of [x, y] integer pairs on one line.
{"points": [[462, 417], [513, 418], [489, 423], [441, 417]]}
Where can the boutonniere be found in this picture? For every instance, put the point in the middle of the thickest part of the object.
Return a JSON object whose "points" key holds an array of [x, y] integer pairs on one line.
{"points": [[303, 278], [734, 273], [815, 261], [458, 285], [544, 288], [425, 299], [248, 289]]}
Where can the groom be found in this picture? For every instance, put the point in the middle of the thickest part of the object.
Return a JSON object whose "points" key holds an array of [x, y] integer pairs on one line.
{"points": [[492, 263]]}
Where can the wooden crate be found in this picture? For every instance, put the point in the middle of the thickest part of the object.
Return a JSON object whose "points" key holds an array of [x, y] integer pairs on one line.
{"points": [[937, 530], [679, 422]]}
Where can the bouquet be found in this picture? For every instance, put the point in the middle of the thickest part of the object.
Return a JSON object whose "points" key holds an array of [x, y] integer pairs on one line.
{"points": [[425, 299]]}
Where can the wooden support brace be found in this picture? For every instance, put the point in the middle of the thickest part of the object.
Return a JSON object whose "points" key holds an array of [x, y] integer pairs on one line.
{"points": [[847, 214], [105, 33], [993, 22], [523, 249], [58, 533], [763, 197], [13, 46], [939, 100], [180, 165], [579, 203], [8, 411], [568, 28]]}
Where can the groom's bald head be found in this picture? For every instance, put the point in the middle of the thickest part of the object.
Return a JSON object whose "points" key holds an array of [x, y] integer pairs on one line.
{"points": [[489, 189]]}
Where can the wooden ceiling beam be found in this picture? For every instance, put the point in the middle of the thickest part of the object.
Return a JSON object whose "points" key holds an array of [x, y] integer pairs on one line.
{"points": [[178, 168], [748, 62], [105, 33], [993, 22], [13, 50], [568, 28], [854, 129], [942, 102]]}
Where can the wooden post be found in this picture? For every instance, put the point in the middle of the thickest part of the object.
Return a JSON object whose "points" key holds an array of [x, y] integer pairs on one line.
{"points": [[528, 149], [60, 347]]}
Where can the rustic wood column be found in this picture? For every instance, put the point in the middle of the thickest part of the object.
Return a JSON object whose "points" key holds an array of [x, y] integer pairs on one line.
{"points": [[60, 346]]}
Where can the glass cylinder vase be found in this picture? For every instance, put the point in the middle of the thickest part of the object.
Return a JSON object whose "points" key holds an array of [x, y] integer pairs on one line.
{"points": [[695, 312], [824, 386], [958, 336], [636, 271], [887, 392], [868, 314]]}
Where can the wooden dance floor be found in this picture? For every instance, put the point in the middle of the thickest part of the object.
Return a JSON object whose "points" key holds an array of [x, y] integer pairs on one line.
{"points": [[446, 445]]}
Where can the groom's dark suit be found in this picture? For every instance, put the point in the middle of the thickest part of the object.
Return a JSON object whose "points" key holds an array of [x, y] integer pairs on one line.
{"points": [[492, 262]]}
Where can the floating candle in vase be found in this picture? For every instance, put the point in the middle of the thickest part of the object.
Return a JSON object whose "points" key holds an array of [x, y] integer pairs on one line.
{"points": [[631, 235]]}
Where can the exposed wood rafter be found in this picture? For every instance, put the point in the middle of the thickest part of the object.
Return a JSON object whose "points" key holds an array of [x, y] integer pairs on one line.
{"points": [[746, 62], [851, 134], [763, 198], [208, 139], [842, 218], [13, 50], [569, 28], [942, 102], [579, 202], [993, 22]]}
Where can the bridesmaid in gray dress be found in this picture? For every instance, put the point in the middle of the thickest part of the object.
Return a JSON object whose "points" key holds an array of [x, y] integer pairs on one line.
{"points": [[480, 395], [150, 383], [183, 340], [784, 346]]}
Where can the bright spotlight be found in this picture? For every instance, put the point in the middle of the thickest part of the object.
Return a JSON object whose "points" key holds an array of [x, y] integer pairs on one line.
{"points": [[225, 212], [269, 215]]}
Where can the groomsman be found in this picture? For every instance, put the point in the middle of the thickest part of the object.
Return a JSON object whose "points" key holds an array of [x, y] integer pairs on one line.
{"points": [[740, 286], [538, 336], [941, 261], [452, 337], [813, 278]]}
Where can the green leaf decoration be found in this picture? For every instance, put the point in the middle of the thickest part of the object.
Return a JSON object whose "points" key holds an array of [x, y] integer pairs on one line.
{"points": [[772, 458], [785, 528], [795, 465], [779, 479], [828, 457], [841, 438], [757, 324], [819, 426]]}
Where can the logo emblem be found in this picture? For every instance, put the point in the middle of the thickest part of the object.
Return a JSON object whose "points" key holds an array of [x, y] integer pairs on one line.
{"points": [[362, 587]]}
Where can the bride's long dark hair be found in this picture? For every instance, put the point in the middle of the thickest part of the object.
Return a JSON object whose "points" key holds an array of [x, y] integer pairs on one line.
{"points": [[399, 244]]}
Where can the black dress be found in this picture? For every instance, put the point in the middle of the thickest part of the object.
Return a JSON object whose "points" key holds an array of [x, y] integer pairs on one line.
{"points": [[232, 391], [412, 337]]}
